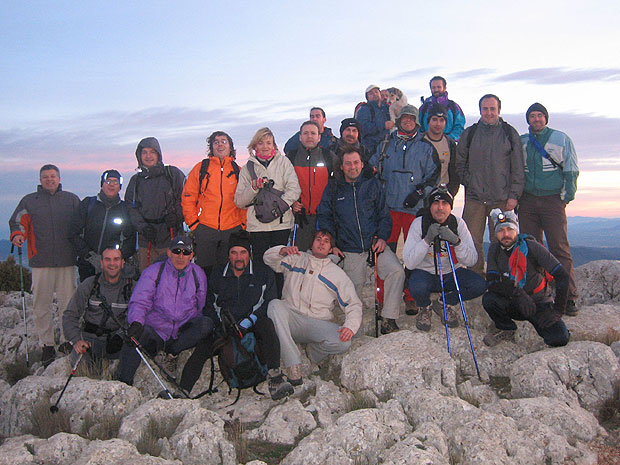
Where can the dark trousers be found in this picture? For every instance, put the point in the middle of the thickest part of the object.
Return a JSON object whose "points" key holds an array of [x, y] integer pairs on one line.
{"points": [[422, 283], [305, 233], [211, 246], [503, 311], [193, 332], [263, 240], [538, 214], [267, 350]]}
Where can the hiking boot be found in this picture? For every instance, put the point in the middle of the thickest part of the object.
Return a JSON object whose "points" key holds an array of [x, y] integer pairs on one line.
{"points": [[169, 362], [571, 308], [423, 320], [294, 375], [48, 354], [453, 319], [388, 325], [499, 335], [175, 395], [65, 348], [411, 308], [278, 388]]}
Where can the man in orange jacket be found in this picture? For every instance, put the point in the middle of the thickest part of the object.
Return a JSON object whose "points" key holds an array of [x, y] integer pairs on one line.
{"points": [[208, 205]]}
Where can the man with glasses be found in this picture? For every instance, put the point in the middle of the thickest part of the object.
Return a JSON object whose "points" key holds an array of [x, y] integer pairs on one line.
{"points": [[165, 310], [101, 220]]}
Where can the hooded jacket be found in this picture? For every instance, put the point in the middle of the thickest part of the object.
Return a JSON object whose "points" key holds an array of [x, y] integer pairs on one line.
{"points": [[177, 299], [407, 165], [354, 213], [153, 193], [312, 285], [44, 219], [281, 171], [491, 164], [99, 221], [215, 207]]}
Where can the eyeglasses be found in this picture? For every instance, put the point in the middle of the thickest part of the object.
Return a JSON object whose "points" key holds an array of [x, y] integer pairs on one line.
{"points": [[181, 251], [111, 182]]}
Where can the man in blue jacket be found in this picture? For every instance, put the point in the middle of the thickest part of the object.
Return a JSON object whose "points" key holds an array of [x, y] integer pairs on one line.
{"points": [[354, 210], [165, 310], [551, 173], [455, 119], [374, 116]]}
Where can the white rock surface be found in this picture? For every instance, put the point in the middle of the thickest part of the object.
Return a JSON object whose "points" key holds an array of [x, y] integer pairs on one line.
{"points": [[285, 424]]}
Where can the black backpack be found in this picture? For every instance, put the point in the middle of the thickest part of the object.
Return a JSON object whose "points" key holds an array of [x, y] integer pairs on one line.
{"points": [[204, 171], [268, 203]]}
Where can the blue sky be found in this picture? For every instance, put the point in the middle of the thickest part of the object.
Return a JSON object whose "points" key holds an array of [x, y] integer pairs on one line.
{"points": [[83, 82]]}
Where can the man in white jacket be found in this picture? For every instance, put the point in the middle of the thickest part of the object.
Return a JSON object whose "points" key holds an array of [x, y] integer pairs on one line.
{"points": [[438, 228], [312, 284]]}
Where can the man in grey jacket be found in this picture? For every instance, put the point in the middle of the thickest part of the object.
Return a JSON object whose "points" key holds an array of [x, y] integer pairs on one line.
{"points": [[489, 161], [43, 218]]}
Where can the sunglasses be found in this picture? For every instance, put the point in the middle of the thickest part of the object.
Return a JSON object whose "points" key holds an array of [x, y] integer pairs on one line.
{"points": [[181, 251]]}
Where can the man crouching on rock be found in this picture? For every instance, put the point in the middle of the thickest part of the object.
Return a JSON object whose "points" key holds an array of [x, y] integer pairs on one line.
{"points": [[518, 272], [86, 322], [165, 310], [312, 284]]}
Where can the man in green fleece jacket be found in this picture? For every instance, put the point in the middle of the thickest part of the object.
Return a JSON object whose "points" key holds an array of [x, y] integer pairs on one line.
{"points": [[551, 173]]}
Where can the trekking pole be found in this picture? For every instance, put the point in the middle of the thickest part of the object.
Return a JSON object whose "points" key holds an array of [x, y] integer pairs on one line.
{"points": [[148, 254], [54, 408], [171, 235], [23, 296], [458, 290], [443, 291], [377, 290], [294, 234]]}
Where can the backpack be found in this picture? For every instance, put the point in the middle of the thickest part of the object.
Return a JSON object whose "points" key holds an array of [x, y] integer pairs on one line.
{"points": [[505, 126], [204, 171], [268, 203], [359, 106]]}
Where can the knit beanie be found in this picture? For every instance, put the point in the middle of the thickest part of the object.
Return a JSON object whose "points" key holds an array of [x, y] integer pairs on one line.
{"points": [[507, 219], [537, 107], [239, 239], [111, 174], [349, 122]]}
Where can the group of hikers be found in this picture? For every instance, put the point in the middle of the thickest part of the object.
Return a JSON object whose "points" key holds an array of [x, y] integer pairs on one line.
{"points": [[269, 250]]}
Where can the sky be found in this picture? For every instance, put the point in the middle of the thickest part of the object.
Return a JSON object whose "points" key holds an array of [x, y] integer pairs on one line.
{"points": [[83, 82]]}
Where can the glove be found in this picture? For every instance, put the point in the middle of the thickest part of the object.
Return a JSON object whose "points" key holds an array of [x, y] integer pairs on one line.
{"points": [[524, 302], [171, 220], [412, 199], [503, 286], [95, 260], [150, 233], [135, 330], [446, 234], [432, 233], [258, 183]]}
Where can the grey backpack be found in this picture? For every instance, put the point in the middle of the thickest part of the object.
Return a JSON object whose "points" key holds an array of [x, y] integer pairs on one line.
{"points": [[268, 203]]}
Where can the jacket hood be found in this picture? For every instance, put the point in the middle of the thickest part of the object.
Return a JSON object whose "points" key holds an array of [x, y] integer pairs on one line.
{"points": [[151, 143]]}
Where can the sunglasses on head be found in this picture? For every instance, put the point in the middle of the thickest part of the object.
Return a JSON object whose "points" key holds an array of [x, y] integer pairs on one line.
{"points": [[181, 251]]}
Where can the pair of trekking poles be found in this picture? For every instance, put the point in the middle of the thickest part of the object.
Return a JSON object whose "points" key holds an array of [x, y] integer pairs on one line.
{"points": [[437, 246]]}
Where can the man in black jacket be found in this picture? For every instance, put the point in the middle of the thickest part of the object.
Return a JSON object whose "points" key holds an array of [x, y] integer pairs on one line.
{"points": [[99, 221], [518, 272], [242, 289]]}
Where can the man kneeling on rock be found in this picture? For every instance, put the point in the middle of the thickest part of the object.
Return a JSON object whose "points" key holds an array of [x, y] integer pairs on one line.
{"points": [[312, 285], [430, 233], [518, 272], [165, 310], [87, 322]]}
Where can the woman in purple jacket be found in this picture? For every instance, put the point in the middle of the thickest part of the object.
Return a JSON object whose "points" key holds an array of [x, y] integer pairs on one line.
{"points": [[165, 310]]}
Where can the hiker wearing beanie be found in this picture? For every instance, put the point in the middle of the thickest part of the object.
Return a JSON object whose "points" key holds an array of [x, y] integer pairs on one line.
{"points": [[99, 221], [455, 118], [439, 227], [374, 116], [327, 138], [153, 197], [551, 173], [241, 289], [444, 146], [489, 161], [519, 270], [350, 136], [314, 166], [208, 202], [42, 218]]}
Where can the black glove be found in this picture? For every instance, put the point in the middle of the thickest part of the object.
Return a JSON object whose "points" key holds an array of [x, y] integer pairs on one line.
{"points": [[432, 233], [149, 233], [412, 199], [502, 285], [135, 330], [446, 234], [524, 302], [114, 343], [171, 220]]}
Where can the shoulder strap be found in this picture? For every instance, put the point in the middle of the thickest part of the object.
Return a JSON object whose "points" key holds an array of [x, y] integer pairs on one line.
{"points": [[91, 203], [204, 171], [506, 128], [252, 170], [470, 134], [159, 273], [236, 169]]}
